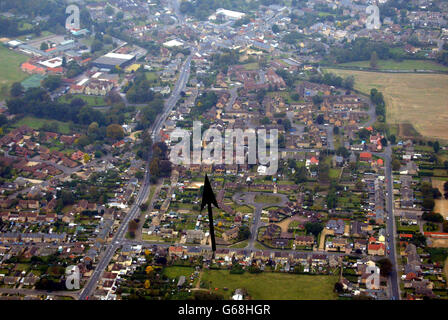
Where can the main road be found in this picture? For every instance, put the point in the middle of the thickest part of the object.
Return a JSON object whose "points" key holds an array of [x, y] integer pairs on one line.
{"points": [[390, 226], [120, 235]]}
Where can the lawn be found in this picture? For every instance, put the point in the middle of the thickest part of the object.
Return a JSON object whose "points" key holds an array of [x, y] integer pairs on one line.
{"points": [[417, 99], [334, 174], [10, 72], [244, 209], [251, 66], [36, 124], [402, 65], [152, 76], [263, 198], [174, 272], [273, 286], [92, 101], [240, 245]]}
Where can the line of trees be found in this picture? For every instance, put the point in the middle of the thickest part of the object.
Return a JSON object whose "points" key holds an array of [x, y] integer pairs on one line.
{"points": [[380, 106], [332, 79]]}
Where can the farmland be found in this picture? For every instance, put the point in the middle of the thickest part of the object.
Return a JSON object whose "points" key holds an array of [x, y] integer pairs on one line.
{"points": [[419, 99]]}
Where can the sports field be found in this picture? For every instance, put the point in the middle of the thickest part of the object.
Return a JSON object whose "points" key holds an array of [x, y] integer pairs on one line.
{"points": [[402, 65], [274, 286], [417, 99], [10, 72]]}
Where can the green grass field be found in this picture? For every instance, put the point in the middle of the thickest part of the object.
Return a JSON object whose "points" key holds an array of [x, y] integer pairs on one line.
{"points": [[334, 174], [175, 272], [10, 72], [151, 76], [36, 124], [244, 209], [274, 286], [402, 65], [262, 198], [241, 244], [251, 66], [92, 101]]}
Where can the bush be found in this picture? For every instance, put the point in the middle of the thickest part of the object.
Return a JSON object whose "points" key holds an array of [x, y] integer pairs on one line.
{"points": [[237, 269]]}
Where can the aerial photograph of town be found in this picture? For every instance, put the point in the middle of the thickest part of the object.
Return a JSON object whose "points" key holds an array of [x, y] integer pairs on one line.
{"points": [[231, 150]]}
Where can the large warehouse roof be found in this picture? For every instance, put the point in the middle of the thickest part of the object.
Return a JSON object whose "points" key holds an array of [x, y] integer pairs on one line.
{"points": [[114, 59], [119, 56]]}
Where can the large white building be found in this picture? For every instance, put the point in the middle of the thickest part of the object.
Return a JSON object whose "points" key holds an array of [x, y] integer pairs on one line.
{"points": [[227, 14]]}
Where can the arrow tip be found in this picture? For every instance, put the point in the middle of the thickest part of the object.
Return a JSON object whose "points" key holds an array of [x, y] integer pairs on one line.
{"points": [[207, 194]]}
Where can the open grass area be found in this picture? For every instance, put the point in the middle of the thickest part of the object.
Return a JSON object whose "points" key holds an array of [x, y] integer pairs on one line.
{"points": [[239, 245], [174, 272], [251, 66], [402, 65], [334, 174], [275, 286], [244, 209], [263, 198], [417, 99], [152, 76], [93, 101], [10, 72], [36, 124]]}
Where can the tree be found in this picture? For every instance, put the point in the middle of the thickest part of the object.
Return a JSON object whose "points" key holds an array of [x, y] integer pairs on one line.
{"points": [[67, 198], [314, 228], [154, 168], [114, 131], [374, 60], [275, 28], [386, 267], [323, 171], [265, 121], [393, 139], [109, 10], [317, 100], [144, 207], [16, 89], [436, 146], [338, 287], [92, 129], [300, 175], [43, 46], [320, 119], [52, 82], [396, 164], [243, 233], [432, 217], [132, 228], [97, 45], [349, 82], [149, 270], [113, 97], [3, 120]]}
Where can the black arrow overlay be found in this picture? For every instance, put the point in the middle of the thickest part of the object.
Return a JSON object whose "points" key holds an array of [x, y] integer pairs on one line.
{"points": [[208, 198]]}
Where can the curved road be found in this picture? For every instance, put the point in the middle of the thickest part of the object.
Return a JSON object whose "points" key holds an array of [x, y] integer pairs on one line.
{"points": [[248, 198]]}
